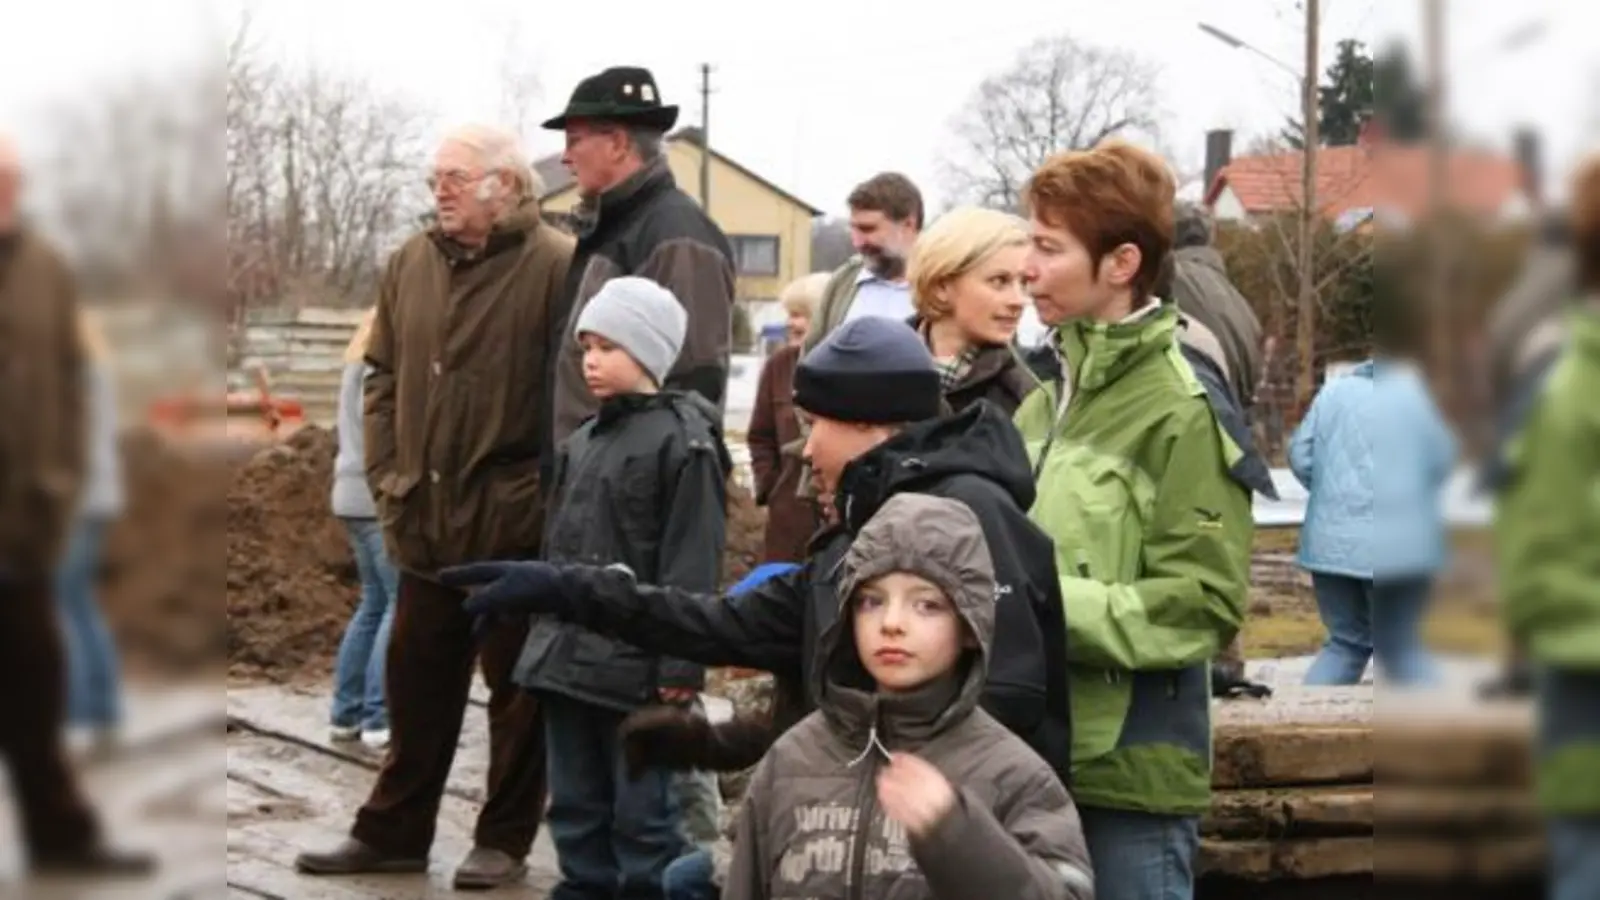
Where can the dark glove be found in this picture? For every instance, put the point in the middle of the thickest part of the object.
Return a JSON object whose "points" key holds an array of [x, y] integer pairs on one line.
{"points": [[663, 737], [1229, 684], [508, 588]]}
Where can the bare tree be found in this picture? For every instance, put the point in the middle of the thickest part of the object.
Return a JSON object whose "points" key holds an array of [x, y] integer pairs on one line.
{"points": [[322, 177], [130, 180], [1058, 94]]}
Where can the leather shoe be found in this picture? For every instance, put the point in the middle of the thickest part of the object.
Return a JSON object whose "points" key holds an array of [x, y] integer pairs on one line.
{"points": [[486, 868], [352, 857]]}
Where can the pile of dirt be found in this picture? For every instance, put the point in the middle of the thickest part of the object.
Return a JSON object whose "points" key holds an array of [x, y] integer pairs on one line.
{"points": [[163, 568], [746, 530], [291, 581]]}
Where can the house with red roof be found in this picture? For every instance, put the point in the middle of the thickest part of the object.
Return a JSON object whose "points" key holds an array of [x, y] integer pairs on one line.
{"points": [[1372, 179]]}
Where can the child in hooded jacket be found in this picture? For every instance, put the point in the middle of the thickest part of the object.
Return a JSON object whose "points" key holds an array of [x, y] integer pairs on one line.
{"points": [[899, 787]]}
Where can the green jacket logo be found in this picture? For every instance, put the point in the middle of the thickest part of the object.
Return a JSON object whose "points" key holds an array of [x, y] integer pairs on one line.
{"points": [[1209, 519]]}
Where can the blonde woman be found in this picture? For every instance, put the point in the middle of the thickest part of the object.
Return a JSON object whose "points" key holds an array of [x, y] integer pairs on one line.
{"points": [[775, 436], [359, 707], [967, 287], [94, 705]]}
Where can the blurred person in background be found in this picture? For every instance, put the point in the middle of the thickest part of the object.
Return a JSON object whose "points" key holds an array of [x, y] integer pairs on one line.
{"points": [[1222, 340], [1525, 333], [359, 709], [966, 284], [94, 702], [1547, 517], [775, 437], [43, 461], [454, 416], [886, 215], [1220, 319], [1374, 453]]}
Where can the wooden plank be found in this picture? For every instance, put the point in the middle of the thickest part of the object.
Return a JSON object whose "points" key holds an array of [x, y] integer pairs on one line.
{"points": [[1289, 755], [1302, 859], [1494, 858], [1480, 745], [1275, 813], [1455, 810]]}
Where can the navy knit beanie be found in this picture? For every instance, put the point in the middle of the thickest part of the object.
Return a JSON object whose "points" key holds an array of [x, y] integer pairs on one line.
{"points": [[872, 370]]}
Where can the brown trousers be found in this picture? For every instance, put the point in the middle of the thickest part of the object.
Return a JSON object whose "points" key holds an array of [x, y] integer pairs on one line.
{"points": [[56, 819], [431, 649]]}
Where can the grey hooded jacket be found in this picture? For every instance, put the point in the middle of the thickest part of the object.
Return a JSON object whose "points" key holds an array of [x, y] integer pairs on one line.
{"points": [[811, 826]]}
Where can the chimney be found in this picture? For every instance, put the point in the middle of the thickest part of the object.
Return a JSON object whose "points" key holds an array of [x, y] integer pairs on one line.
{"points": [[1525, 146], [1219, 152]]}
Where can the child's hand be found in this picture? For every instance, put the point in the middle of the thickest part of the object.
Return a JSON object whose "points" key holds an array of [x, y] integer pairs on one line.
{"points": [[914, 793]]}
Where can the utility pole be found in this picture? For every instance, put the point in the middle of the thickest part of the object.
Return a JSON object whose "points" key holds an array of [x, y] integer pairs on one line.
{"points": [[1438, 317], [705, 137], [1305, 320]]}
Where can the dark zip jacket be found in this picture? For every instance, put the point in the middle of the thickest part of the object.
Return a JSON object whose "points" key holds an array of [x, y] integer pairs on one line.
{"points": [[976, 457]]}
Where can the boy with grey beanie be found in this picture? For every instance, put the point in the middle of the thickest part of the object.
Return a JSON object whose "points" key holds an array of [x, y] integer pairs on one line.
{"points": [[640, 317], [639, 485]]}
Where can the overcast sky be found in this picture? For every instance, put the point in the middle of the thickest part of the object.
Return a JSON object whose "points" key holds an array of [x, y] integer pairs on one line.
{"points": [[820, 93]]}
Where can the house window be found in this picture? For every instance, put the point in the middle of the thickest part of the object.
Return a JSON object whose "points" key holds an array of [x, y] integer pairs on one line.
{"points": [[755, 254]]}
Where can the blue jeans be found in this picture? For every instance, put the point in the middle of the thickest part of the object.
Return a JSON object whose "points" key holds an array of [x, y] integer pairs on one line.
{"points": [[1574, 858], [93, 683], [614, 836], [690, 878], [358, 680], [1364, 618], [1141, 856]]}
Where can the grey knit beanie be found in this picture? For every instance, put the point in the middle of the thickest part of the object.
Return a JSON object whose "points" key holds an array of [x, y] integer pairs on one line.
{"points": [[641, 317]]}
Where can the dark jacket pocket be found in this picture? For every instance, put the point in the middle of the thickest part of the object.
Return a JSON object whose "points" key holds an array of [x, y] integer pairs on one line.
{"points": [[578, 663]]}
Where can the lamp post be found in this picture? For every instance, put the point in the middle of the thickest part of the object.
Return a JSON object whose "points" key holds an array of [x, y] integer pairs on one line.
{"points": [[1305, 320]]}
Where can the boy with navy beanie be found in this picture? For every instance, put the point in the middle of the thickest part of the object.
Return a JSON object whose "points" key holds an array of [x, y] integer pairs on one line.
{"points": [[870, 370], [639, 486]]}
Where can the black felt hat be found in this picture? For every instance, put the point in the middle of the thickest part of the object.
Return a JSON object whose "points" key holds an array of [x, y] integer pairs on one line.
{"points": [[625, 94]]}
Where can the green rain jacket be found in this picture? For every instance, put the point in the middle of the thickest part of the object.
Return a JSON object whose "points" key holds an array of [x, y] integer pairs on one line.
{"points": [[1152, 539], [1547, 536]]}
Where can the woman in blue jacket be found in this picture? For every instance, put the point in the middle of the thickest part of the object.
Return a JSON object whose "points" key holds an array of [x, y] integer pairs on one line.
{"points": [[1375, 454]]}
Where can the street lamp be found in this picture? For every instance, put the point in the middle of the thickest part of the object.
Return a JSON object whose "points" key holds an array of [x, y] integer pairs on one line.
{"points": [[1239, 44]]}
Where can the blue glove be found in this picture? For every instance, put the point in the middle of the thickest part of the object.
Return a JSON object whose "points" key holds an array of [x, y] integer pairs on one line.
{"points": [[508, 588], [762, 573]]}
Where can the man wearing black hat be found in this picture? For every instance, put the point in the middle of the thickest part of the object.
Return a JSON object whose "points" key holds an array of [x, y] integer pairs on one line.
{"points": [[872, 392], [634, 220]]}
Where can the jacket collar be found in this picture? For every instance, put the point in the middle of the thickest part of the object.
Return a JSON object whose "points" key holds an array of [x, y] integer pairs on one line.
{"points": [[508, 233], [1099, 353], [619, 202], [984, 363]]}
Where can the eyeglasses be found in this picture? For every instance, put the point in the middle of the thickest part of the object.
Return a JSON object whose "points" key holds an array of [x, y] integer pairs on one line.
{"points": [[454, 179]]}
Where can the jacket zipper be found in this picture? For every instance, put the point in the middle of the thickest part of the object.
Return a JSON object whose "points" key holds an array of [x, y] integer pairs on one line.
{"points": [[1063, 406], [866, 808]]}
